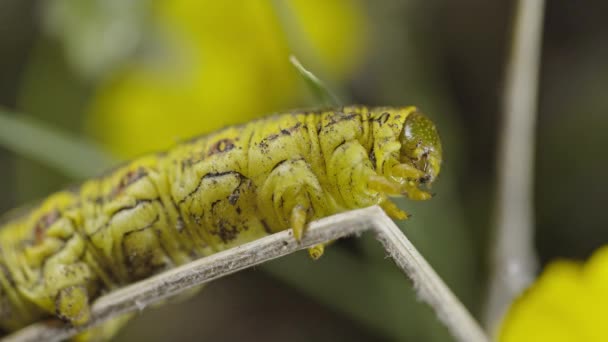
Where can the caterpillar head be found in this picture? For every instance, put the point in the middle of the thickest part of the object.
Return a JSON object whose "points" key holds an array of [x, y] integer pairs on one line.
{"points": [[421, 147]]}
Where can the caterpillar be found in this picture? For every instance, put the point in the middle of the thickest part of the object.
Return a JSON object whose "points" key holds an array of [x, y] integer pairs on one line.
{"points": [[205, 195]]}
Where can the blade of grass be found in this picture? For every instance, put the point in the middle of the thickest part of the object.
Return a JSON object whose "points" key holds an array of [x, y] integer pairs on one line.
{"points": [[299, 44], [71, 155], [318, 88]]}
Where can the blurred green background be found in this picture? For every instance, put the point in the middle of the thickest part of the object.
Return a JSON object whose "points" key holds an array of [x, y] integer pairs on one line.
{"points": [[136, 76]]}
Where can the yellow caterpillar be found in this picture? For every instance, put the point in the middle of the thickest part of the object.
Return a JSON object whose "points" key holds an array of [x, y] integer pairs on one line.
{"points": [[205, 195]]}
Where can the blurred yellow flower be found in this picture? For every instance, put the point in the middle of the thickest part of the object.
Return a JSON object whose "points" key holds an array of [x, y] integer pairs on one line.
{"points": [[569, 302], [223, 62]]}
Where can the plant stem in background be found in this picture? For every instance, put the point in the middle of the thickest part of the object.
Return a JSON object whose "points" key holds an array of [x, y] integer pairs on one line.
{"points": [[514, 260]]}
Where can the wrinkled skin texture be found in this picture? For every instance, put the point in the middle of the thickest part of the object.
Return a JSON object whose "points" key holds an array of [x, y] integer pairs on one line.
{"points": [[206, 195]]}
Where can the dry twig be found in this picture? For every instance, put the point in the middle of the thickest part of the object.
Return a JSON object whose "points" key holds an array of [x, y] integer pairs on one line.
{"points": [[137, 296]]}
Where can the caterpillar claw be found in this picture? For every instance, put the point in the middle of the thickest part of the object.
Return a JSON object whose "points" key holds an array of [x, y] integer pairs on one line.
{"points": [[72, 305], [383, 185], [316, 251], [414, 193], [298, 221], [298, 225], [407, 171], [393, 211]]}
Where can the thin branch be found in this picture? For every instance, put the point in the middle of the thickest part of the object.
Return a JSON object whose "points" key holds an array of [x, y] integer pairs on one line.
{"points": [[137, 296], [514, 258], [429, 286]]}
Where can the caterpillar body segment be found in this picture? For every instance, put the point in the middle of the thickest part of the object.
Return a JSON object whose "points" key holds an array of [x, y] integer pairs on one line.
{"points": [[205, 195]]}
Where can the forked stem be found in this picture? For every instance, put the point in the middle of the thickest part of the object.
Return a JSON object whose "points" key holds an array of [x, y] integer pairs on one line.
{"points": [[431, 289]]}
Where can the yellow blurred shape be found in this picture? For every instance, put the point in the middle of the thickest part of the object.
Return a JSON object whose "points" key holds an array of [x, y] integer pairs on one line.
{"points": [[569, 302], [224, 62]]}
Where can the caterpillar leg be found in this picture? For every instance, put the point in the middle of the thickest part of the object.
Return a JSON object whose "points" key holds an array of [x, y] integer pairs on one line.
{"points": [[407, 188], [295, 192], [105, 331], [383, 185], [393, 211], [298, 224], [298, 220], [72, 305], [64, 291], [63, 279], [403, 180], [410, 179], [316, 251], [406, 171], [411, 190]]}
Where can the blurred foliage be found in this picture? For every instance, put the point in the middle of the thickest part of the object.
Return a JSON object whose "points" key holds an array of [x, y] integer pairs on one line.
{"points": [[24, 137], [51, 92], [568, 302], [96, 34], [218, 63], [171, 69], [571, 187]]}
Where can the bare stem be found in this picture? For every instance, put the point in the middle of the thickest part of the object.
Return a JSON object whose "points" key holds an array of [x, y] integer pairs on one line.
{"points": [[137, 296], [514, 259]]}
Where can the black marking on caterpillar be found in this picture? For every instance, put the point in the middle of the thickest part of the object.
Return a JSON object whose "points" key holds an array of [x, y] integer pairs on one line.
{"points": [[341, 118], [382, 119], [208, 176]]}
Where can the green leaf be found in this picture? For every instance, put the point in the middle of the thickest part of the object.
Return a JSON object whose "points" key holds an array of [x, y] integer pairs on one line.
{"points": [[69, 154]]}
